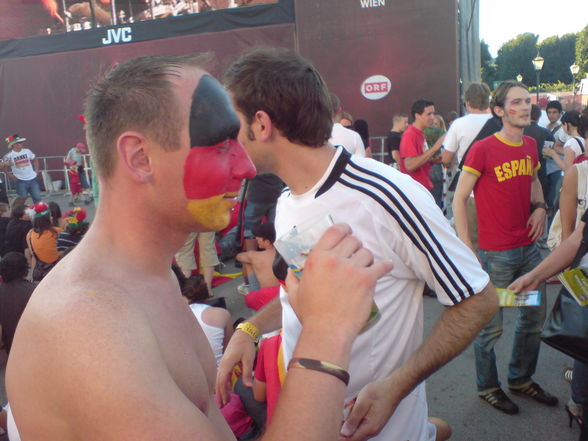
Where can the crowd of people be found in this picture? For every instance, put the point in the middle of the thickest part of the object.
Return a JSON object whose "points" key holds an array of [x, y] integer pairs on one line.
{"points": [[108, 348]]}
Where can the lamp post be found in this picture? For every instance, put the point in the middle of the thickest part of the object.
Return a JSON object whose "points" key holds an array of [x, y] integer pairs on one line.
{"points": [[574, 69], [519, 78], [538, 65]]}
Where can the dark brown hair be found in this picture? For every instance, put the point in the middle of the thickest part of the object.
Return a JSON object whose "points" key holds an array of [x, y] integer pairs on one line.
{"points": [[288, 88], [499, 95]]}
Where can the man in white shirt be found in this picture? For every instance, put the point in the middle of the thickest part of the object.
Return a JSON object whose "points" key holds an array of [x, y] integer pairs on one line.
{"points": [[23, 165], [340, 135], [390, 213], [463, 130], [462, 133]]}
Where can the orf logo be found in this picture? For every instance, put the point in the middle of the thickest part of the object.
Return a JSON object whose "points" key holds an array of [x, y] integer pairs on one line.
{"points": [[376, 87]]}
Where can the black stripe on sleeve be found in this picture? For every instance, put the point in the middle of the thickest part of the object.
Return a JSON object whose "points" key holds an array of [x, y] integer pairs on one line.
{"points": [[419, 226]]}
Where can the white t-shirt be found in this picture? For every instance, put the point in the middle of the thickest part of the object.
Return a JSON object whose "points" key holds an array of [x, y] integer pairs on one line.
{"points": [[463, 131], [397, 219], [348, 139], [214, 335], [21, 164], [543, 119], [573, 143], [559, 135]]}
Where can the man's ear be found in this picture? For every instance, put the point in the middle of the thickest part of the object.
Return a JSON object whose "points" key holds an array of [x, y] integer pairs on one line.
{"points": [[499, 111], [133, 156], [264, 126]]}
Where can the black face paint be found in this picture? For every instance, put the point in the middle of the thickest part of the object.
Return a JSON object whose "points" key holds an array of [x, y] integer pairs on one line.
{"points": [[212, 116]]}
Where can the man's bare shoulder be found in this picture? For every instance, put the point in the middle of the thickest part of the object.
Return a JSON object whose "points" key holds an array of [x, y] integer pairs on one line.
{"points": [[87, 350]]}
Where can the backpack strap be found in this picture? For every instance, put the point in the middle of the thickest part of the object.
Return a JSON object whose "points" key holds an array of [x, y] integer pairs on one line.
{"points": [[555, 129], [580, 144]]}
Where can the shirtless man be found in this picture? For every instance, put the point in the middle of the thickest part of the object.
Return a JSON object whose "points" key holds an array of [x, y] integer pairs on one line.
{"points": [[107, 349], [259, 263]]}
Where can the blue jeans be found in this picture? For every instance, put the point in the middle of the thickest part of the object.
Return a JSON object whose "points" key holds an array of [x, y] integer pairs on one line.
{"points": [[504, 267], [24, 188], [580, 383], [553, 186]]}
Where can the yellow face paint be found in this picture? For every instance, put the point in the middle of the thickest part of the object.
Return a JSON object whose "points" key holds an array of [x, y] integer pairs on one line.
{"points": [[212, 213]]}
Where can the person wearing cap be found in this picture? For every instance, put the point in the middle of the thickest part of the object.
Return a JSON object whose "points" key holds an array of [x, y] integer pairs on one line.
{"points": [[23, 165], [75, 157]]}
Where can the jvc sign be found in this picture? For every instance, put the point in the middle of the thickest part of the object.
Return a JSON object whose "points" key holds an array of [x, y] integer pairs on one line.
{"points": [[118, 35], [376, 87]]}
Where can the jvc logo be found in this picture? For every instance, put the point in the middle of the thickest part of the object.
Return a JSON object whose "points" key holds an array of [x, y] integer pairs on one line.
{"points": [[118, 35]]}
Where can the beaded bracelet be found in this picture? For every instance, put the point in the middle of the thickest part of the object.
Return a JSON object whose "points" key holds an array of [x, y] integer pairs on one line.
{"points": [[320, 366]]}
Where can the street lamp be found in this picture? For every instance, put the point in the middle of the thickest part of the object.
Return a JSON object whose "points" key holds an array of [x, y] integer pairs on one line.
{"points": [[538, 65], [574, 69], [519, 78]]}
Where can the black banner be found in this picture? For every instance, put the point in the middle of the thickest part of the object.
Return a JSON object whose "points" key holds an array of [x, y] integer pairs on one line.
{"points": [[210, 21]]}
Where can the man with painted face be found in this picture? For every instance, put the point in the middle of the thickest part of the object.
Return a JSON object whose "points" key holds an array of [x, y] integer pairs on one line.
{"points": [[107, 348], [501, 170], [284, 109]]}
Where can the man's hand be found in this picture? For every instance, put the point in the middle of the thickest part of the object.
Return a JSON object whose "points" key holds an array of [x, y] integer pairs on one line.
{"points": [[241, 348], [549, 152], [528, 282], [337, 286], [537, 223], [374, 406]]}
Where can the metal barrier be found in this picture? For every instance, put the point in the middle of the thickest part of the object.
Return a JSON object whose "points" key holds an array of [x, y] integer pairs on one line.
{"points": [[378, 144], [53, 169]]}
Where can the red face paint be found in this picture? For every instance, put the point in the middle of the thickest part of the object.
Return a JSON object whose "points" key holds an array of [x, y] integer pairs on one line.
{"points": [[215, 170], [512, 112]]}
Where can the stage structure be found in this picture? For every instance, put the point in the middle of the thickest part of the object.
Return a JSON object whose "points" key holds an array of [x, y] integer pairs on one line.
{"points": [[378, 56]]}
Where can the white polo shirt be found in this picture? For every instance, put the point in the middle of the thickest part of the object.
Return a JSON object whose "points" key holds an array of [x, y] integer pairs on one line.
{"points": [[348, 138], [397, 219]]}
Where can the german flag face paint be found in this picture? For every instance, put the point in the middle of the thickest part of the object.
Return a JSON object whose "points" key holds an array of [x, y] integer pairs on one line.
{"points": [[217, 162]]}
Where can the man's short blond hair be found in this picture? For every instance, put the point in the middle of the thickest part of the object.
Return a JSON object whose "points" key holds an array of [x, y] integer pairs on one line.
{"points": [[135, 95]]}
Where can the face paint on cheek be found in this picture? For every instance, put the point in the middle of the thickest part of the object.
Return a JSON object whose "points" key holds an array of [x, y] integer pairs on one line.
{"points": [[512, 112], [212, 213], [214, 170]]}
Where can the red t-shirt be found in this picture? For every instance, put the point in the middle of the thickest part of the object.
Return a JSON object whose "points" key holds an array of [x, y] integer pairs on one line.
{"points": [[413, 143], [267, 371], [503, 190]]}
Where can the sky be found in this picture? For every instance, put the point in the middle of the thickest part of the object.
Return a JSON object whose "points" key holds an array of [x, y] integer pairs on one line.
{"points": [[503, 20]]}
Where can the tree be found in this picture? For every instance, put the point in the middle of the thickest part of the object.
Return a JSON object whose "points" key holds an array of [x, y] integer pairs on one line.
{"points": [[582, 51], [515, 57], [559, 55], [488, 66]]}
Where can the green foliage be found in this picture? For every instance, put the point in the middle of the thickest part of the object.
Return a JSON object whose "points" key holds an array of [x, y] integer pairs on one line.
{"points": [[515, 57], [552, 87], [559, 55], [582, 52], [487, 62]]}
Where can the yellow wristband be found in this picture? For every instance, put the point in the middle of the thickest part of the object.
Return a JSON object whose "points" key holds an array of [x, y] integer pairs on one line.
{"points": [[250, 329]]}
